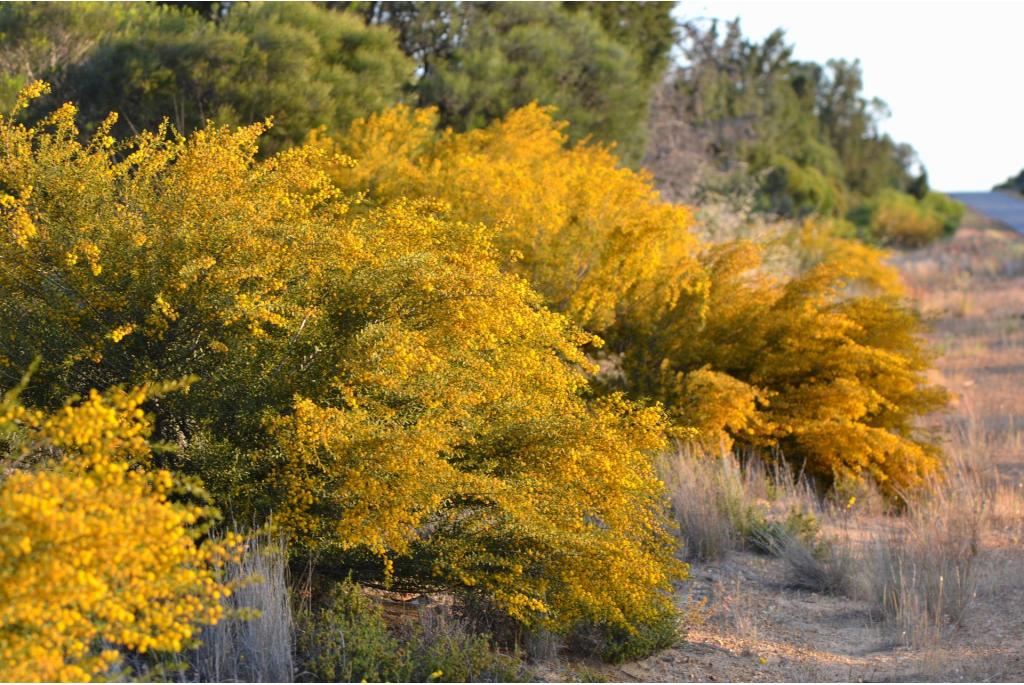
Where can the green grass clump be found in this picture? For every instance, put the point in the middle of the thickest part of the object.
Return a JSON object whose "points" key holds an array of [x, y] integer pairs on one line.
{"points": [[348, 640]]}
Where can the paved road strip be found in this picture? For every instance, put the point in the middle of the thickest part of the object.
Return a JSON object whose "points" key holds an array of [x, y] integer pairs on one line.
{"points": [[999, 206]]}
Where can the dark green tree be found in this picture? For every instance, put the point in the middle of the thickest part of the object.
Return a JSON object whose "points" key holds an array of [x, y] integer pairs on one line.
{"points": [[1013, 183], [476, 61], [511, 54], [44, 40], [647, 28], [919, 187], [300, 63]]}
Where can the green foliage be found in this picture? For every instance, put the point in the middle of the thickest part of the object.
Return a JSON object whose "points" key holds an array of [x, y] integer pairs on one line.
{"points": [[452, 655], [646, 27], [47, 40], [769, 535], [479, 60], [516, 53], [949, 211], [805, 131], [309, 64], [370, 375], [348, 640], [794, 189], [653, 636], [1013, 183], [895, 218], [301, 64]]}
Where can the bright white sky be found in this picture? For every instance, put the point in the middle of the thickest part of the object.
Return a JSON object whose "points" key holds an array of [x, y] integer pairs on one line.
{"points": [[951, 72]]}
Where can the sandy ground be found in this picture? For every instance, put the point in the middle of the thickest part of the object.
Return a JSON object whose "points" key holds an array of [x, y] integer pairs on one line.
{"points": [[749, 626]]}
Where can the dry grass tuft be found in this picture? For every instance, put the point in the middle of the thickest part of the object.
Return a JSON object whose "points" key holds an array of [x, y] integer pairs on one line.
{"points": [[255, 642], [830, 567], [925, 573], [722, 503], [706, 496]]}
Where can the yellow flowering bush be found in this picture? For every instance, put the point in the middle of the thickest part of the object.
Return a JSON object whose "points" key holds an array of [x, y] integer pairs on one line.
{"points": [[369, 374], [825, 362], [587, 233], [94, 556]]}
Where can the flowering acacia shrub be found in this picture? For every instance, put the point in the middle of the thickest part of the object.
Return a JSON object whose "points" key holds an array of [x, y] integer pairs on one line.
{"points": [[94, 557], [370, 375], [825, 362], [587, 233]]}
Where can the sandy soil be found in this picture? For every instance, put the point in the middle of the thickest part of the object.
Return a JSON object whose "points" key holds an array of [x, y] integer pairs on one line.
{"points": [[751, 627]]}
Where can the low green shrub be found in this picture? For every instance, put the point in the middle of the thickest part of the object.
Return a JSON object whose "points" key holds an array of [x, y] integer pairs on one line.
{"points": [[661, 633], [946, 208], [616, 645], [768, 535], [901, 220], [348, 640], [448, 653]]}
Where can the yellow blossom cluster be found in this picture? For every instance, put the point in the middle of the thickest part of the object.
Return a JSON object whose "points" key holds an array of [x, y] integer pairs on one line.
{"points": [[825, 362], [587, 233], [94, 556], [369, 373]]}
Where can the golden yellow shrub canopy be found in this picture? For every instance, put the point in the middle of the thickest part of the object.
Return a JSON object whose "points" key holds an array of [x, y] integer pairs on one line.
{"points": [[825, 362], [369, 374], [583, 230], [91, 546]]}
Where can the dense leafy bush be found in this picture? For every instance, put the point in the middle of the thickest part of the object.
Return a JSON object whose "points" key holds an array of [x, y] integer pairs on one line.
{"points": [[94, 556], [302, 64], [369, 375], [895, 218], [825, 363], [946, 208], [346, 639]]}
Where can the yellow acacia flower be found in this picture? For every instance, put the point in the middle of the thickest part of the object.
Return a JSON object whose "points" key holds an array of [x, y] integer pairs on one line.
{"points": [[91, 549]]}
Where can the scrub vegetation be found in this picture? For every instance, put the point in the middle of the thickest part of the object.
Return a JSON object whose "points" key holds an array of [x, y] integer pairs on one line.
{"points": [[347, 341]]}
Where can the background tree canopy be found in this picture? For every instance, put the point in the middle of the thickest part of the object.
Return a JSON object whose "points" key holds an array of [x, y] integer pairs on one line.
{"points": [[1013, 183], [804, 132], [595, 62], [301, 64], [326, 64]]}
